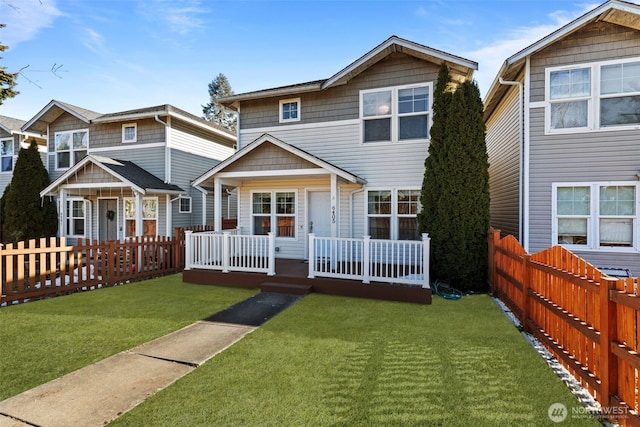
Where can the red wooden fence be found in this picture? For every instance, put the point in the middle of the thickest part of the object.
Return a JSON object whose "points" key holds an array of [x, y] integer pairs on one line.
{"points": [[590, 322]]}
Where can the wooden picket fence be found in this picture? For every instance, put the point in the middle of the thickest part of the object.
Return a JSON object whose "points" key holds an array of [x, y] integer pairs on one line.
{"points": [[49, 267], [589, 321]]}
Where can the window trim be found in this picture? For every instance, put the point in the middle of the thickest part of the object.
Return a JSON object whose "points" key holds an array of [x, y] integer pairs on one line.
{"points": [[593, 219], [394, 216], [13, 155], [125, 218], [395, 114], [593, 105], [184, 211], [282, 102], [68, 211], [71, 151], [135, 136], [273, 214]]}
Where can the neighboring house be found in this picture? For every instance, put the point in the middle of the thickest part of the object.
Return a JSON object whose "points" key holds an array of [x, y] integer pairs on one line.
{"points": [[12, 138], [563, 127], [128, 173], [340, 157]]}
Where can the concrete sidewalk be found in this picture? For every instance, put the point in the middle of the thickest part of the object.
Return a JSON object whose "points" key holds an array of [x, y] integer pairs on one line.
{"points": [[99, 393]]}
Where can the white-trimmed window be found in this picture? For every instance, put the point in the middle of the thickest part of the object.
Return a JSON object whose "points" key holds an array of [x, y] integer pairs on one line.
{"points": [[289, 110], [129, 132], [596, 215], [75, 216], [393, 214], [395, 114], [6, 155], [70, 147], [184, 205], [149, 216], [274, 211], [595, 96]]}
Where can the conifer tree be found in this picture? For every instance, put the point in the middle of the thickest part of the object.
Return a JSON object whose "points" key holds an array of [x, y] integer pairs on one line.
{"points": [[213, 111], [7, 79], [26, 214]]}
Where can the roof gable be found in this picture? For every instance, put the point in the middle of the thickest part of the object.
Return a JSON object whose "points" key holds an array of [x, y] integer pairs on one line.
{"points": [[52, 111]]}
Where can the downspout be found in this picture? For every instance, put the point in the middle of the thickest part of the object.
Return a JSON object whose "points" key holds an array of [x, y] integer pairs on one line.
{"points": [[520, 152], [167, 151], [353, 193]]}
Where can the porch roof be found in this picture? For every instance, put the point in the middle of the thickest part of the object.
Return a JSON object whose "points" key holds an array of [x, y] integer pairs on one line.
{"points": [[127, 173], [319, 164]]}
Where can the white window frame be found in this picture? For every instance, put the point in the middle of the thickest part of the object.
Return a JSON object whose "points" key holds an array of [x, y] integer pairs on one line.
{"points": [[593, 219], [71, 150], [281, 110], [69, 218], [394, 216], [12, 155], [127, 217], [593, 105], [394, 114], [181, 207], [124, 132], [273, 214]]}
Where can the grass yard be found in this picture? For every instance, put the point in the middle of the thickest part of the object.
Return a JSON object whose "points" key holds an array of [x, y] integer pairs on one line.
{"points": [[43, 340], [336, 361]]}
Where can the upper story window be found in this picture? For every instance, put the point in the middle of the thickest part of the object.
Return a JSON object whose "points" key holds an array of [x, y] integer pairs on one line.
{"points": [[70, 147], [396, 114], [597, 96], [6, 155], [596, 216], [290, 110], [129, 132]]}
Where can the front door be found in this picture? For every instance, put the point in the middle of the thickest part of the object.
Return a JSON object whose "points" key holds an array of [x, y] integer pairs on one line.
{"points": [[107, 219], [318, 215]]}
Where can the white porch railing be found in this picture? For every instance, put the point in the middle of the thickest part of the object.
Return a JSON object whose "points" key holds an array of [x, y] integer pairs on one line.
{"points": [[230, 251], [391, 261]]}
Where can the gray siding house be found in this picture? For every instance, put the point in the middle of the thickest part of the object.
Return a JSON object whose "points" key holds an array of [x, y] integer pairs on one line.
{"points": [[339, 157], [128, 173], [12, 139], [563, 126]]}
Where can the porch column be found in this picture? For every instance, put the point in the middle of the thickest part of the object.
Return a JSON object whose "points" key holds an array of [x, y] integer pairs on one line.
{"points": [[139, 224], [62, 217], [217, 204], [334, 205], [169, 208]]}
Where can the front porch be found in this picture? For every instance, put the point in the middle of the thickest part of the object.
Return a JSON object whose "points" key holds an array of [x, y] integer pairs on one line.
{"points": [[379, 269]]}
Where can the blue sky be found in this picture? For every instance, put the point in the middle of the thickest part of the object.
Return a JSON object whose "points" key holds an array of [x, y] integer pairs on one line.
{"points": [[115, 55]]}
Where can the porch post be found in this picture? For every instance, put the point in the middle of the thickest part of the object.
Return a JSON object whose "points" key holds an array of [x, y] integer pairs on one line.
{"points": [[426, 254], [139, 226], [334, 205], [217, 204], [272, 254], [366, 264], [63, 213], [312, 256], [167, 203], [188, 249]]}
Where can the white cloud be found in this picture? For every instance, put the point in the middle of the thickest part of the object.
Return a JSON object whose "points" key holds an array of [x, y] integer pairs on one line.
{"points": [[94, 41], [25, 18], [180, 16]]}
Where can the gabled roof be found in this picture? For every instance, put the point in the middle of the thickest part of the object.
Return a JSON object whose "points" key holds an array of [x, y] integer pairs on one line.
{"points": [[125, 171], [53, 110], [459, 68], [613, 11], [266, 138], [10, 124]]}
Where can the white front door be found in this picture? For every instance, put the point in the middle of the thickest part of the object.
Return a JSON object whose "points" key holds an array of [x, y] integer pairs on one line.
{"points": [[318, 215]]}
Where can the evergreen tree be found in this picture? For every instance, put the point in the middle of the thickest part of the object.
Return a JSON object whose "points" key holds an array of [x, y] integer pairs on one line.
{"points": [[213, 111], [7, 79], [455, 193], [26, 214]]}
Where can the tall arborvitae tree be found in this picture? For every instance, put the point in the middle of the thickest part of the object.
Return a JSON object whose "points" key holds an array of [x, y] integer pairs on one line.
{"points": [[214, 111], [455, 193], [26, 214]]}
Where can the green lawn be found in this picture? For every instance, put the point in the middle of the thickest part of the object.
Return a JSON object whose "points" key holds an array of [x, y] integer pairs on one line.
{"points": [[43, 340], [335, 361]]}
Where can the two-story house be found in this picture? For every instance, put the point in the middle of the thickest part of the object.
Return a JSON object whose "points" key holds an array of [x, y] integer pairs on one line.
{"points": [[563, 125], [12, 139], [128, 173], [340, 157]]}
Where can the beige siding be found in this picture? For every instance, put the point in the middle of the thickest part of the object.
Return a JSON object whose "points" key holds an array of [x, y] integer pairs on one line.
{"points": [[110, 134], [503, 147], [269, 157]]}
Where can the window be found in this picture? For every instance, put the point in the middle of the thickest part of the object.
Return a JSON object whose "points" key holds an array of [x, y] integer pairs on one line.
{"points": [[129, 132], [75, 217], [184, 204], [393, 214], [290, 110], [395, 114], [70, 147], [149, 216], [597, 96], [6, 155], [593, 216], [277, 208]]}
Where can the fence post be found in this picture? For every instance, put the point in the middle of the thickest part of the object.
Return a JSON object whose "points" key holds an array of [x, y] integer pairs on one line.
{"points": [[494, 238], [112, 262], [272, 254], [526, 284], [312, 256], [225, 251], [188, 249], [426, 254], [608, 326], [366, 264]]}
